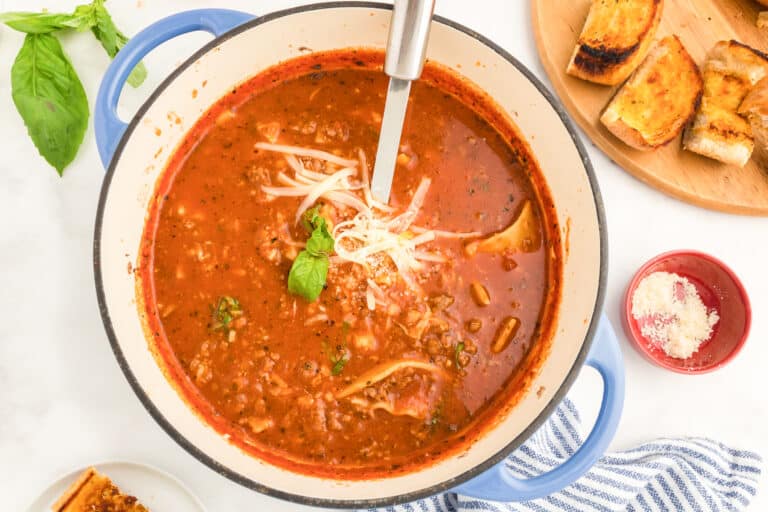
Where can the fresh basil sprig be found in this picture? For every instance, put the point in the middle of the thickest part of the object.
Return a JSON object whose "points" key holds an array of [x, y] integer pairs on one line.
{"points": [[43, 22], [112, 40], [45, 87], [50, 98], [310, 268]]}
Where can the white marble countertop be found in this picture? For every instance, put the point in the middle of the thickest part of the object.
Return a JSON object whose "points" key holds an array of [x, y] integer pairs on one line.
{"points": [[64, 402]]}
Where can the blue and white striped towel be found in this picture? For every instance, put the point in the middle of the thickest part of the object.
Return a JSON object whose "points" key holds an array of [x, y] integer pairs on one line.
{"points": [[692, 474]]}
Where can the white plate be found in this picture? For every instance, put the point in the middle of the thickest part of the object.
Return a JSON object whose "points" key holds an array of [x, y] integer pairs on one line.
{"points": [[155, 489]]}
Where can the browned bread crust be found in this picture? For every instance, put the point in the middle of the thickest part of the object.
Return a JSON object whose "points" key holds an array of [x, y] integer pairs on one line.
{"points": [[616, 37], [762, 19], [93, 491], [73, 490], [654, 106], [731, 71], [755, 108]]}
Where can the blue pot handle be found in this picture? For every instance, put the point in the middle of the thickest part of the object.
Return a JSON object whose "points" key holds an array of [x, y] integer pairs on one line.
{"points": [[498, 484], [109, 128]]}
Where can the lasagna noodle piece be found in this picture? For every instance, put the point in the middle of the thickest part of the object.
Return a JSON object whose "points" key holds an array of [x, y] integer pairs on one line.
{"points": [[94, 491], [383, 371], [522, 235]]}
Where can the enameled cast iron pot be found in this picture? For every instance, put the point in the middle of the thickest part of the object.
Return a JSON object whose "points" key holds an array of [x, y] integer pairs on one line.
{"points": [[244, 46]]}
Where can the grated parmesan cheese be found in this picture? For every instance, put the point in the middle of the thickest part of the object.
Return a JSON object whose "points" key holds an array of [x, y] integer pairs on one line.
{"points": [[670, 313]]}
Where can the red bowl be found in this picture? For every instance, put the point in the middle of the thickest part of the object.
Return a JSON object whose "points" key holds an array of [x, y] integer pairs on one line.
{"points": [[719, 289]]}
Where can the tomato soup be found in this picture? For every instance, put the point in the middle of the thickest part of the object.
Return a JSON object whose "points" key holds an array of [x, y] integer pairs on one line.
{"points": [[327, 332]]}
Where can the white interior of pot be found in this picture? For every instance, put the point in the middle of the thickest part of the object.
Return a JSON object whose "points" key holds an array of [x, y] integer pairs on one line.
{"points": [[247, 54]]}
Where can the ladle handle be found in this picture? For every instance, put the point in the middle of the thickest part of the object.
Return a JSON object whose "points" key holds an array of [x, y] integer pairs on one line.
{"points": [[408, 35]]}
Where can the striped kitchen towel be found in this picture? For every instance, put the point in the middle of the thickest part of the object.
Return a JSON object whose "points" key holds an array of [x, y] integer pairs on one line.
{"points": [[685, 474]]}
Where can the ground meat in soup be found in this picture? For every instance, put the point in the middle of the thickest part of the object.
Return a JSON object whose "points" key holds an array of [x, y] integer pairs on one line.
{"points": [[397, 363]]}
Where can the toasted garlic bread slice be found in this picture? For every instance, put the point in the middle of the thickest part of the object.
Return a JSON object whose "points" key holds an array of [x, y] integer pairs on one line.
{"points": [[735, 58], [755, 108], [718, 131], [654, 106], [615, 39], [93, 491]]}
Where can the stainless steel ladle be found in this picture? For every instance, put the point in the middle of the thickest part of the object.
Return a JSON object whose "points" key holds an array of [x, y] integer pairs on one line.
{"points": [[404, 62]]}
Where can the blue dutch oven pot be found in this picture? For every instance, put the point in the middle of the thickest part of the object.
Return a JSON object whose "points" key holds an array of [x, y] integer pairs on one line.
{"points": [[122, 147]]}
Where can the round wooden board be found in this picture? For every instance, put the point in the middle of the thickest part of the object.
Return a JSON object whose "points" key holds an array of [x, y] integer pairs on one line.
{"points": [[699, 24]]}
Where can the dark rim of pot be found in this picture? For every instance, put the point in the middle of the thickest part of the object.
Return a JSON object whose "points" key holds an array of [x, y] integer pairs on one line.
{"points": [[361, 503]]}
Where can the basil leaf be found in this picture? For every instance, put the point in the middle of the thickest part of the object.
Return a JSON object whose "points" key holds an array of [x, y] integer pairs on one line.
{"points": [[307, 276], [50, 98], [112, 40], [310, 217], [86, 14], [43, 22], [321, 241], [310, 268]]}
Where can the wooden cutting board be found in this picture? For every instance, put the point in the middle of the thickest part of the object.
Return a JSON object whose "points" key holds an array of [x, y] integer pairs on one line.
{"points": [[699, 24]]}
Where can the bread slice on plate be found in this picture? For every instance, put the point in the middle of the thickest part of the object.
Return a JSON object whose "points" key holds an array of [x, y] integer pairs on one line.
{"points": [[731, 71], [93, 491], [615, 39], [755, 108], [654, 106]]}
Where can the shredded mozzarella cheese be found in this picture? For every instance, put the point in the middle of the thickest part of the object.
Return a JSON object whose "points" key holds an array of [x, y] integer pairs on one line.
{"points": [[370, 300], [308, 152], [375, 231]]}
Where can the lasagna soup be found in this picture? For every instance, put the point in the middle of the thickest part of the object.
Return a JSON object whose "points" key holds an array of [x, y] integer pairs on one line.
{"points": [[320, 329]]}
